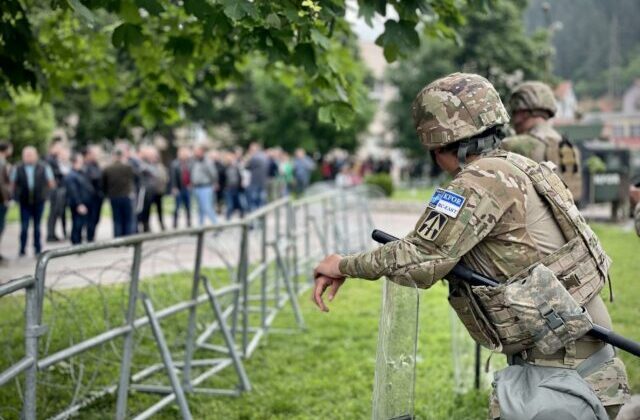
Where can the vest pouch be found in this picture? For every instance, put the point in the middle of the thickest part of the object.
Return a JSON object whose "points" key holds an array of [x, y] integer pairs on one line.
{"points": [[479, 327], [546, 310], [513, 335]]}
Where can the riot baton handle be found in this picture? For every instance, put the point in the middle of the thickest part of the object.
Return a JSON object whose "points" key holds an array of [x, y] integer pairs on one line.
{"points": [[465, 273]]}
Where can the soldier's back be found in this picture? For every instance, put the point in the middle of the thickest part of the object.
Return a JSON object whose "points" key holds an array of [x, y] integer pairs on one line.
{"points": [[544, 143]]}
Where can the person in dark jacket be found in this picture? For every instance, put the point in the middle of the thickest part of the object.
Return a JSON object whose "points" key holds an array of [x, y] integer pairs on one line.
{"points": [[216, 158], [258, 165], [31, 181], [180, 175], [79, 195], [118, 183], [234, 198], [153, 184], [5, 184], [57, 195], [94, 174]]}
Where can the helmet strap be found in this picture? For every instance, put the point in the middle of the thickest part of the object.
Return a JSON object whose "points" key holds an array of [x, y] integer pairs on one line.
{"points": [[476, 146], [462, 153]]}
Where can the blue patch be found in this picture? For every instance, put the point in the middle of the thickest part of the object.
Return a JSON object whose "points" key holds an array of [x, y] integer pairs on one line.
{"points": [[447, 202], [437, 195]]}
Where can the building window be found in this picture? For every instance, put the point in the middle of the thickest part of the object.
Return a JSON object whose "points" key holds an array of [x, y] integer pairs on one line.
{"points": [[635, 131]]}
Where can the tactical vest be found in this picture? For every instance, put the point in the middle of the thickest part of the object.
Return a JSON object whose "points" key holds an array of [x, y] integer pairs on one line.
{"points": [[581, 265], [566, 156]]}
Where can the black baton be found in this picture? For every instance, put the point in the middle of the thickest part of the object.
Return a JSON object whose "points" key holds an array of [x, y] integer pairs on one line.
{"points": [[466, 274]]}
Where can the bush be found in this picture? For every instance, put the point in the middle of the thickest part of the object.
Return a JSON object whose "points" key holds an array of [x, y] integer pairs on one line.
{"points": [[596, 165], [382, 181]]}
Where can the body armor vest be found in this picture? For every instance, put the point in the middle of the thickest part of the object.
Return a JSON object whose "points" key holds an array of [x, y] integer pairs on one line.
{"points": [[581, 265]]}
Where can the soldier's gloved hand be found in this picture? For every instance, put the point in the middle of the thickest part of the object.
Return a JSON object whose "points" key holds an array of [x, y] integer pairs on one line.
{"points": [[329, 267], [322, 283]]}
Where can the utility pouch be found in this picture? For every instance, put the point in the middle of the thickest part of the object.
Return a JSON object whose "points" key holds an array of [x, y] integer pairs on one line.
{"points": [[546, 310], [463, 301]]}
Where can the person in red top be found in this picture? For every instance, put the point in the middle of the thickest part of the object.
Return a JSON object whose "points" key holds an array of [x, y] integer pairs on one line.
{"points": [[181, 184]]}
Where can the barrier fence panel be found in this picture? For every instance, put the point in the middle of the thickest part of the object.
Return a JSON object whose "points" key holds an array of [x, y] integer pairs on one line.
{"points": [[162, 314], [20, 332]]}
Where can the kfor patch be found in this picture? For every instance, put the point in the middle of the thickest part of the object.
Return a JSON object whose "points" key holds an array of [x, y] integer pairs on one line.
{"points": [[446, 202], [432, 226]]}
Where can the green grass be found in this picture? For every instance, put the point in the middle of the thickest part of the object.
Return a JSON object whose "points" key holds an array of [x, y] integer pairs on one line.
{"points": [[413, 194], [324, 372]]}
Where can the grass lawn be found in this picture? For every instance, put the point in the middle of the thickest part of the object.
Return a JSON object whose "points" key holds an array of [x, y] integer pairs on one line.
{"points": [[413, 194], [325, 372]]}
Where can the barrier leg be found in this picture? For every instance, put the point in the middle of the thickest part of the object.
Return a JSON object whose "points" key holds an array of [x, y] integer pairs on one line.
{"points": [[166, 358], [127, 351], [287, 282], [228, 339], [191, 326]]}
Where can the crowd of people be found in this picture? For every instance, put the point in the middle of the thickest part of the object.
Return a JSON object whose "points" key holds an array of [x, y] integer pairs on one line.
{"points": [[135, 180], [341, 168]]}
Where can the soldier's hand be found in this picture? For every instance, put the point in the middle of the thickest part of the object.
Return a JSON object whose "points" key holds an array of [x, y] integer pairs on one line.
{"points": [[329, 267], [323, 283]]}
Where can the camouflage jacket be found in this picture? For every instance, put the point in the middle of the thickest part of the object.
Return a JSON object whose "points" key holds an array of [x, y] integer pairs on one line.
{"points": [[539, 144], [543, 143], [489, 232]]}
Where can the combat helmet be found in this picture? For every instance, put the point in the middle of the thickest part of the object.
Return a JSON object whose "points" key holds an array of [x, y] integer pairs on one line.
{"points": [[533, 96], [455, 108]]}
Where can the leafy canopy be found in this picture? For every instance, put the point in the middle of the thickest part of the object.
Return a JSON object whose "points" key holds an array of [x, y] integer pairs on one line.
{"points": [[150, 56]]}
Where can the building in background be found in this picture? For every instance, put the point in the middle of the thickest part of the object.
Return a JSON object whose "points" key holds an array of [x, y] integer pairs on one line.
{"points": [[378, 141], [567, 102]]}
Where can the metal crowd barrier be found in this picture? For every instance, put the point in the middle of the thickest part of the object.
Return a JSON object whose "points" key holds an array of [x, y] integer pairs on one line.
{"points": [[157, 302]]}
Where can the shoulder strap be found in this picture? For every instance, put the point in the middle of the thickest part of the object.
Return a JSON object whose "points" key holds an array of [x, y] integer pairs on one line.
{"points": [[547, 185]]}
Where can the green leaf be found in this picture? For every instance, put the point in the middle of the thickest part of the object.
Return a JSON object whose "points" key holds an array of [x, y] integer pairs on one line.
{"points": [[151, 6], [407, 9], [368, 8], [198, 8], [305, 56], [238, 9], [126, 35], [398, 38], [180, 46], [129, 12], [273, 21], [319, 38], [339, 113]]}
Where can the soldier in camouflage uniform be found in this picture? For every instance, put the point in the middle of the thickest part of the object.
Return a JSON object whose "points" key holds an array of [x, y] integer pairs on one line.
{"points": [[505, 216], [532, 104]]}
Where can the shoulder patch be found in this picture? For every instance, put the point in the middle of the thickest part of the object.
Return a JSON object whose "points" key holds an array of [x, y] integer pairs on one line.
{"points": [[446, 202], [432, 225]]}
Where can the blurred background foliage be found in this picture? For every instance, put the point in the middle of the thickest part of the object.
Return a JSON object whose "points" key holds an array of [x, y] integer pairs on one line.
{"points": [[286, 72], [492, 42], [160, 64]]}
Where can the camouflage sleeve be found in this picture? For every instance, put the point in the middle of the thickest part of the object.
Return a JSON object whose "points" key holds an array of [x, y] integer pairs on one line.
{"points": [[437, 242]]}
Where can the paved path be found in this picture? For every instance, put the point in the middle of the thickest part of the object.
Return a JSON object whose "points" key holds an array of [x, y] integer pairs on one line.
{"points": [[177, 254]]}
